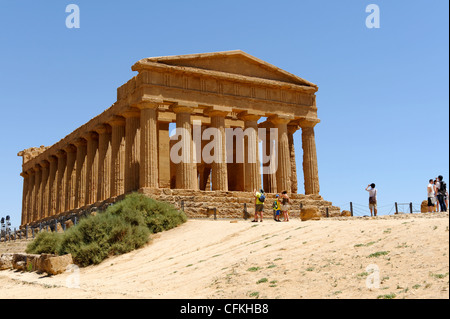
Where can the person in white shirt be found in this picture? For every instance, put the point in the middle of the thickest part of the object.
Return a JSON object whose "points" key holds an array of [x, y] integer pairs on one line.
{"points": [[431, 195], [372, 198]]}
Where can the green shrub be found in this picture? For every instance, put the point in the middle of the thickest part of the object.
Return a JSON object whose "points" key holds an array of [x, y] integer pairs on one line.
{"points": [[45, 243], [122, 228], [158, 216]]}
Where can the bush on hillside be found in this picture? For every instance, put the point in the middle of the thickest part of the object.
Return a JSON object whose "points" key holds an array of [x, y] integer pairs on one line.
{"points": [[123, 227], [158, 216], [45, 243]]}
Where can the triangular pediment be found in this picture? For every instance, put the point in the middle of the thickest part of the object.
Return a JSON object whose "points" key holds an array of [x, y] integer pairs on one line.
{"points": [[233, 62]]}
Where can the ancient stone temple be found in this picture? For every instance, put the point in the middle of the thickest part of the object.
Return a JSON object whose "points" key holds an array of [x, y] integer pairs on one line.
{"points": [[128, 147]]}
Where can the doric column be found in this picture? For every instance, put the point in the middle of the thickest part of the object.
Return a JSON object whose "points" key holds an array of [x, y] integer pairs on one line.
{"points": [[284, 158], [104, 162], [163, 155], [37, 192], [30, 197], [132, 149], [24, 198], [252, 177], [219, 169], [294, 184], [80, 177], [148, 175], [44, 189], [61, 181], [52, 186], [70, 179], [270, 180], [91, 168], [117, 156], [186, 177], [310, 169]]}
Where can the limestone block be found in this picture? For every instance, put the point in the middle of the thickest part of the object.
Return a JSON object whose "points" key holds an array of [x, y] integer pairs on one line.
{"points": [[346, 213], [31, 263], [424, 206], [19, 262], [54, 265], [310, 213], [6, 261]]}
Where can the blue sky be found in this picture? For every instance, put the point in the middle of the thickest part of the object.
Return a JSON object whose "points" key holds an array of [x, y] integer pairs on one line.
{"points": [[383, 94]]}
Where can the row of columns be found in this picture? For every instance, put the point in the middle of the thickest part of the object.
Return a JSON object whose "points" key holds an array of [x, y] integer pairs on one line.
{"points": [[121, 156]]}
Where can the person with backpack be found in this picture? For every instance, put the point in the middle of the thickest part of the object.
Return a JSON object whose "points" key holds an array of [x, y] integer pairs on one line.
{"points": [[276, 208], [442, 191], [259, 204]]}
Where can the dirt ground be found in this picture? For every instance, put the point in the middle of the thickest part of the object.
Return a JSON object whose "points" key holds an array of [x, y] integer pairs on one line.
{"points": [[403, 256]]}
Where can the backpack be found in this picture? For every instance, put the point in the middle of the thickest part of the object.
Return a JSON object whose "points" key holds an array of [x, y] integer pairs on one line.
{"points": [[442, 188], [262, 198], [275, 205]]}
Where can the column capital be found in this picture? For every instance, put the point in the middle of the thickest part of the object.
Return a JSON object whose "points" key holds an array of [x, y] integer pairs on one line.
{"points": [[37, 168], [90, 136], [80, 142], [117, 120], [70, 148], [183, 107], [131, 112], [308, 122], [250, 115], [60, 153], [292, 128], [24, 174], [220, 111], [280, 119], [103, 129], [44, 164], [147, 105], [52, 159]]}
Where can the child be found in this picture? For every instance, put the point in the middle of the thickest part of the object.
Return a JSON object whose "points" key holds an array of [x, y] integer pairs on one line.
{"points": [[285, 201], [276, 209]]}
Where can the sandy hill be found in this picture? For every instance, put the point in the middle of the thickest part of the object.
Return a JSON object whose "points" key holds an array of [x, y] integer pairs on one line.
{"points": [[330, 258]]}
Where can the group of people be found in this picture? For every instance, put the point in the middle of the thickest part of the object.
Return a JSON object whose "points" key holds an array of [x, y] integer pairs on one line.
{"points": [[436, 191], [280, 205], [437, 195]]}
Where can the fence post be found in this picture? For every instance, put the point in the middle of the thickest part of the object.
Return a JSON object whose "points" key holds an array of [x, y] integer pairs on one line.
{"points": [[327, 212], [215, 213], [351, 208], [26, 232], [182, 205], [411, 208], [396, 208]]}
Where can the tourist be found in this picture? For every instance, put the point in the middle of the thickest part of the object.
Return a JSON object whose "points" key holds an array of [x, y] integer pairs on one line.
{"points": [[436, 200], [442, 190], [259, 204], [431, 195], [276, 208], [446, 199], [285, 201], [372, 198]]}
